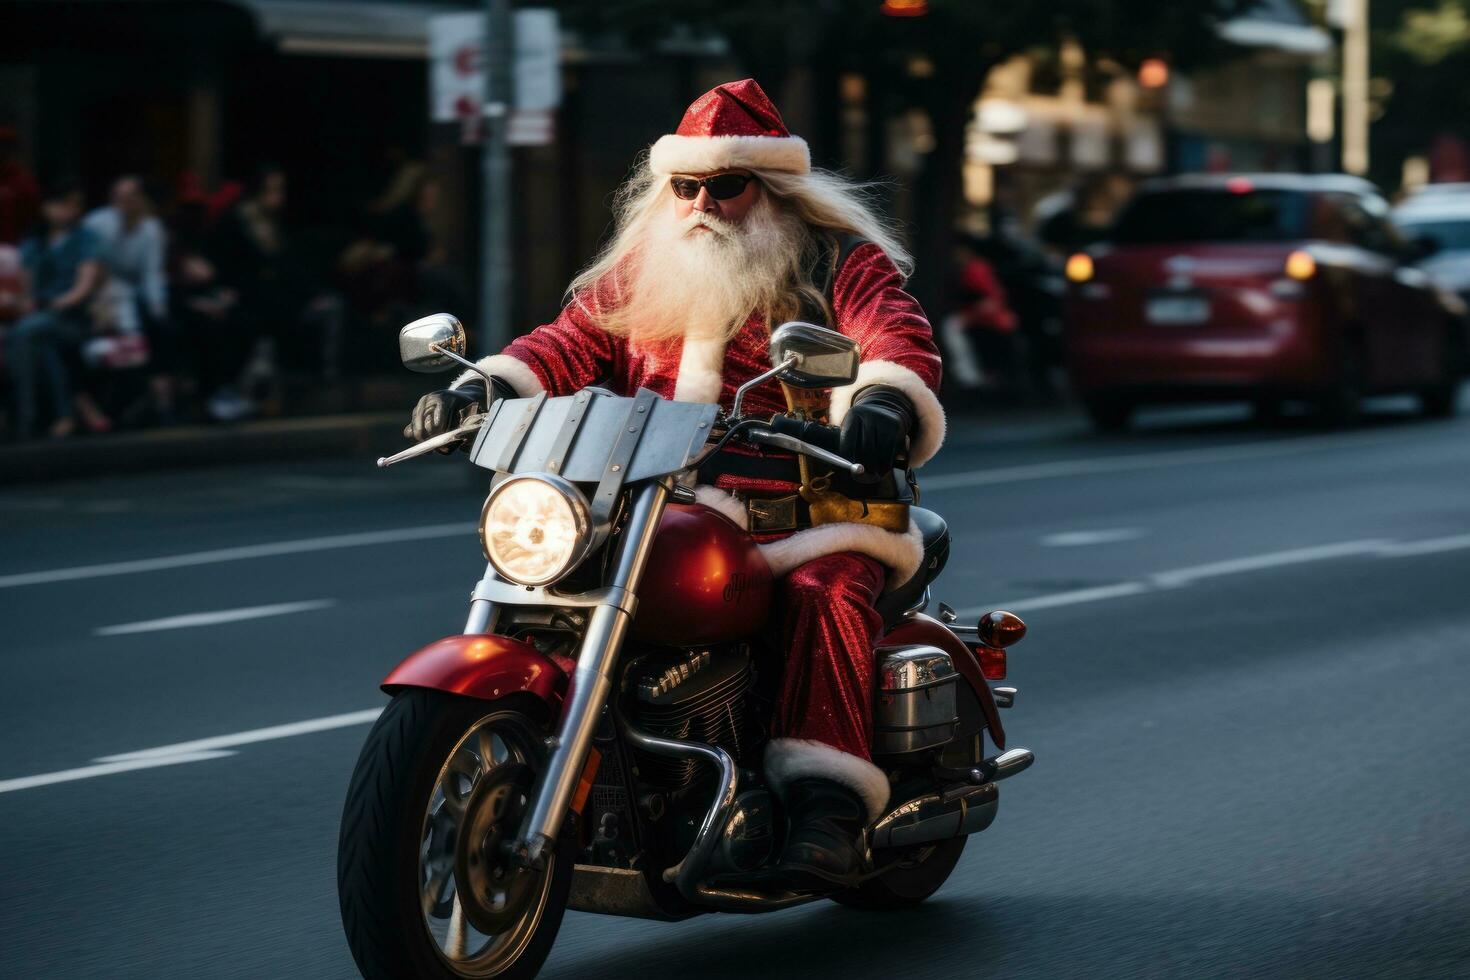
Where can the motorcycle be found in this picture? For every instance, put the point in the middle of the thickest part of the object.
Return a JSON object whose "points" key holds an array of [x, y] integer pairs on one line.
{"points": [[591, 739]]}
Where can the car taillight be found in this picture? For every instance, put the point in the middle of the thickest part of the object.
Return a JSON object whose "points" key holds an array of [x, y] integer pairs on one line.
{"points": [[1079, 267], [1300, 266], [992, 662]]}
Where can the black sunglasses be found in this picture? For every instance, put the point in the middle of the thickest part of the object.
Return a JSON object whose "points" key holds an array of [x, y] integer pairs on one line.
{"points": [[721, 187]]}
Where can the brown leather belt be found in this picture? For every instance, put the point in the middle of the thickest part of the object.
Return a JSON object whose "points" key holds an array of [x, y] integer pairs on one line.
{"points": [[768, 515]]}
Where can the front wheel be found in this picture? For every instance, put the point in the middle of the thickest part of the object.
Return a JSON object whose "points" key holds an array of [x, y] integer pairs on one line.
{"points": [[425, 890], [917, 876]]}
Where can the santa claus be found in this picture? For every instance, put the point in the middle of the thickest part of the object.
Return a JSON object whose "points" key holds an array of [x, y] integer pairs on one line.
{"points": [[723, 232]]}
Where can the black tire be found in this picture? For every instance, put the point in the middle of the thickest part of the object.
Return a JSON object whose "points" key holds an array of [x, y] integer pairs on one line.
{"points": [[1108, 414], [1267, 409], [1443, 400], [1342, 404], [383, 825], [910, 883]]}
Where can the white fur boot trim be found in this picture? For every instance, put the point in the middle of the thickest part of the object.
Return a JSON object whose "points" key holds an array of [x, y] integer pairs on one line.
{"points": [[512, 370], [701, 370], [789, 759]]}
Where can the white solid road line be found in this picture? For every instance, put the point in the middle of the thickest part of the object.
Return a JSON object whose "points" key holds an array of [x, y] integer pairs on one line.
{"points": [[251, 737], [103, 769], [1141, 461], [199, 750], [1180, 577], [1177, 577], [268, 550], [213, 618], [1115, 591], [1080, 539]]}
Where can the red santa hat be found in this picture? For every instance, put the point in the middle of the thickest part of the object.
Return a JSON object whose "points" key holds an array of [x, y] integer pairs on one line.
{"points": [[732, 125]]}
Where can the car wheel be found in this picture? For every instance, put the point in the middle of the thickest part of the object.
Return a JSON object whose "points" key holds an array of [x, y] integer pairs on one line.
{"points": [[1108, 414], [1342, 404], [1442, 400]]}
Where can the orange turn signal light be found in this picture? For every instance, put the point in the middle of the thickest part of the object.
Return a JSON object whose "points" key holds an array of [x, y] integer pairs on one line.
{"points": [[1300, 266], [1000, 629], [1079, 267]]}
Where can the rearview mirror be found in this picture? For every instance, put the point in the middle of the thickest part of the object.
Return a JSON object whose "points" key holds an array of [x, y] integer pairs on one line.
{"points": [[820, 358], [422, 343]]}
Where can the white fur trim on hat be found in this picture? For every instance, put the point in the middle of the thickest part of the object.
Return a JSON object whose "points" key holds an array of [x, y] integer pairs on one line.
{"points": [[701, 370], [512, 370], [930, 437], [790, 759], [675, 154], [901, 552]]}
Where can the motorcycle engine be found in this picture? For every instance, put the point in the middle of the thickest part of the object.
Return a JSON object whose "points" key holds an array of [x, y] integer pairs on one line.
{"points": [[694, 696]]}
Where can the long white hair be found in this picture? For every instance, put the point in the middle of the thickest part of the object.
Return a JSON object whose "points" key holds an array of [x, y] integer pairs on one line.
{"points": [[652, 281]]}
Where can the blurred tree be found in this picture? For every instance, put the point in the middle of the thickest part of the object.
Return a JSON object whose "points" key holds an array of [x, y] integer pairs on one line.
{"points": [[1420, 59], [936, 63]]}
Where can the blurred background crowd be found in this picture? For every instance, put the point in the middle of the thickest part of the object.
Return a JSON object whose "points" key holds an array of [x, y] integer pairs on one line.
{"points": [[223, 210]]}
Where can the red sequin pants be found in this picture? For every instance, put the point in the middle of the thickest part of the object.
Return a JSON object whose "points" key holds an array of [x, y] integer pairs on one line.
{"points": [[829, 626]]}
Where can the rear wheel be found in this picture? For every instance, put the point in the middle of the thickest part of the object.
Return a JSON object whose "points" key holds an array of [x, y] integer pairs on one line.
{"points": [[1108, 413], [425, 887], [916, 877]]}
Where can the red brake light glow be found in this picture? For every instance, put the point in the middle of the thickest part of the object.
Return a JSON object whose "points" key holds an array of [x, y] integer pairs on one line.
{"points": [[992, 662], [1239, 185]]}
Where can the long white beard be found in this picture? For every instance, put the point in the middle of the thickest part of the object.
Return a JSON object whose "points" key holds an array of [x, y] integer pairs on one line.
{"points": [[707, 283]]}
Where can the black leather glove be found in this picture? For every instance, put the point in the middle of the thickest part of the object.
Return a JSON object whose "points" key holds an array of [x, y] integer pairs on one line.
{"points": [[876, 429], [441, 411]]}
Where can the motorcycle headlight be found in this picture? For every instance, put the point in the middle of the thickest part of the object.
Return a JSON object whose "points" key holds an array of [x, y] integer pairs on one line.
{"points": [[534, 529]]}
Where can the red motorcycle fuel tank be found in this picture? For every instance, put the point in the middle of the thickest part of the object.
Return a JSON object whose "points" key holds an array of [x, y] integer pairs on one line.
{"points": [[706, 581]]}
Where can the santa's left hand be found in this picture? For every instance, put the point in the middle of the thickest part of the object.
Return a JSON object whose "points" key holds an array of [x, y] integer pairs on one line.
{"points": [[876, 429]]}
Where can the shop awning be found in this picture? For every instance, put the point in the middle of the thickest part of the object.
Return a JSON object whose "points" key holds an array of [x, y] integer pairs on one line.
{"points": [[1276, 25], [348, 28]]}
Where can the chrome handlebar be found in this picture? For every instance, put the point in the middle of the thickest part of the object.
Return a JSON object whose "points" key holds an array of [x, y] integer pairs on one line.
{"points": [[792, 444], [470, 427]]}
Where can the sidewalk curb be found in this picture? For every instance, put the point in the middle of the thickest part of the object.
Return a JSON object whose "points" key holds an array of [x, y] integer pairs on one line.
{"points": [[369, 435]]}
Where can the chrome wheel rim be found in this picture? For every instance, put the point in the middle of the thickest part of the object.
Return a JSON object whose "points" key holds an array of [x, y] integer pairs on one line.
{"points": [[497, 740]]}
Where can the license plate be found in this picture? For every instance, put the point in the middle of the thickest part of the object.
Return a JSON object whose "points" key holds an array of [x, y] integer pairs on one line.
{"points": [[1177, 310]]}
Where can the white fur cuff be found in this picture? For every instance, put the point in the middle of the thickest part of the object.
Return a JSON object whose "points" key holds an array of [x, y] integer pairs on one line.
{"points": [[930, 437], [789, 759], [674, 154], [512, 370]]}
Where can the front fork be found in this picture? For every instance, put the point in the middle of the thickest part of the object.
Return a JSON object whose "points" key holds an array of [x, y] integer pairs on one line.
{"points": [[591, 681]]}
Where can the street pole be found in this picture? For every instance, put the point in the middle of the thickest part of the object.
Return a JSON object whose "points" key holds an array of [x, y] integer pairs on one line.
{"points": [[495, 196], [1355, 87]]}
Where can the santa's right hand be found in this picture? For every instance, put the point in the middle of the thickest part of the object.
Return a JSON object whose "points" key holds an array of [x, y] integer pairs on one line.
{"points": [[439, 412]]}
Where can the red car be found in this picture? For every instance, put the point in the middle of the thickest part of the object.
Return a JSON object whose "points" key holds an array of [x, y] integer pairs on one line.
{"points": [[1263, 288]]}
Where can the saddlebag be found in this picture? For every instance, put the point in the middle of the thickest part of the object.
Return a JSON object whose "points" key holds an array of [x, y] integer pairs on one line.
{"points": [[916, 707]]}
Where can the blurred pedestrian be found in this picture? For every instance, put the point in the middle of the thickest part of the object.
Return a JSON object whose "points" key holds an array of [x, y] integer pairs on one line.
{"points": [[135, 249], [286, 317], [63, 271], [979, 334], [20, 198]]}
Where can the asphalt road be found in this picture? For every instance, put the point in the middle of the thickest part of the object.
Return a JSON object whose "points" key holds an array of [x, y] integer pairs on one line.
{"points": [[1245, 686]]}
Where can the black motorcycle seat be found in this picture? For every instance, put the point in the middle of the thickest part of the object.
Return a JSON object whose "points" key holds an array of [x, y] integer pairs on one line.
{"points": [[935, 534]]}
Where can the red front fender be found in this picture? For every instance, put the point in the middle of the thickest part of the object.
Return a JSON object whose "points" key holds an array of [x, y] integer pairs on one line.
{"points": [[482, 666]]}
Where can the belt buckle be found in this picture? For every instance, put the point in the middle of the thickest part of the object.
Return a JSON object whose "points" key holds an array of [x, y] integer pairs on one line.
{"points": [[772, 513]]}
